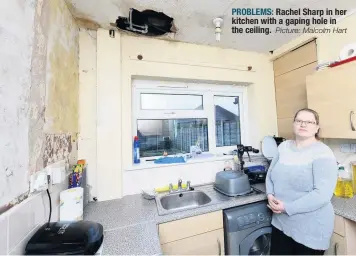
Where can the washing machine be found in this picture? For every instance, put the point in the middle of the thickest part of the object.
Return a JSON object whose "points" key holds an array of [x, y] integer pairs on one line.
{"points": [[248, 229]]}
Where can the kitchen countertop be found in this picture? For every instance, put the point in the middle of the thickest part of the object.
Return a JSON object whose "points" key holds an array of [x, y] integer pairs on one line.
{"points": [[131, 223], [345, 207]]}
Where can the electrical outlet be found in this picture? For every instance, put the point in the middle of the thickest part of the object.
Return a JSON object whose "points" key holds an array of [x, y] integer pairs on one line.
{"points": [[58, 175], [39, 181], [345, 148], [57, 172]]}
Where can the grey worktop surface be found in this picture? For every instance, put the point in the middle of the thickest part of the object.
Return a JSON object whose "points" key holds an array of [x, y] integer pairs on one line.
{"points": [[131, 223], [345, 207]]}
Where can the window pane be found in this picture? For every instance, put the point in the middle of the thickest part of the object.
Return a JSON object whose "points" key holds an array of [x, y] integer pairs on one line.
{"points": [[227, 121], [172, 135], [153, 101]]}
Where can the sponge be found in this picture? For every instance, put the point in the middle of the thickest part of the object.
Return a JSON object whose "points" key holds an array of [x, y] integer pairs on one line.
{"points": [[166, 188]]}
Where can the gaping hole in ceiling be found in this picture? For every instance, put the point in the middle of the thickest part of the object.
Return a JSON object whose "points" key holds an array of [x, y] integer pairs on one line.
{"points": [[147, 22]]}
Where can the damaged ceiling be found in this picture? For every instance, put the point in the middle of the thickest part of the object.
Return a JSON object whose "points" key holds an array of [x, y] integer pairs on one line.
{"points": [[193, 19]]}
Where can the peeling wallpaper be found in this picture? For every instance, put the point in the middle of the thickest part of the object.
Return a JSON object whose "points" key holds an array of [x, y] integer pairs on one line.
{"points": [[39, 87], [57, 147]]}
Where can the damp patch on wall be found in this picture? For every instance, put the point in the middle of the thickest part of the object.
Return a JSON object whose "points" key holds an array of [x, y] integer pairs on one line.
{"points": [[39, 92], [37, 104], [62, 78]]}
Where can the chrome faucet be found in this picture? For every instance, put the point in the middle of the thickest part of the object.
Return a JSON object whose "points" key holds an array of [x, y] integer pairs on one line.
{"points": [[179, 184], [179, 189], [170, 188], [188, 185]]}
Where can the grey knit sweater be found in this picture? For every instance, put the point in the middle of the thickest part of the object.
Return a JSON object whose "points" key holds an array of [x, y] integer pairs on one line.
{"points": [[304, 179]]}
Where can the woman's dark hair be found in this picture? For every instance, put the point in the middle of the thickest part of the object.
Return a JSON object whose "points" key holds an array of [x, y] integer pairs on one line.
{"points": [[316, 116]]}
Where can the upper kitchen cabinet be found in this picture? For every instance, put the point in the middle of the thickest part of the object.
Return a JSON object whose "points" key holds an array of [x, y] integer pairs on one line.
{"points": [[332, 93], [295, 59], [290, 72]]}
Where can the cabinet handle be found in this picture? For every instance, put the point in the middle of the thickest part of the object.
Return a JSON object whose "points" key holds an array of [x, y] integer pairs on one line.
{"points": [[352, 120], [219, 246], [336, 248]]}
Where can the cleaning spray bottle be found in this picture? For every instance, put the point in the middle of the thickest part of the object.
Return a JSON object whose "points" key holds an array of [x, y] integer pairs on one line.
{"points": [[136, 150]]}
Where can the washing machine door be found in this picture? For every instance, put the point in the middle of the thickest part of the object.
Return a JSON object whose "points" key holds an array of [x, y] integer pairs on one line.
{"points": [[257, 243]]}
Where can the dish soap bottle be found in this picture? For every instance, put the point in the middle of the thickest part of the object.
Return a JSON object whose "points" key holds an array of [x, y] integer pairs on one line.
{"points": [[353, 165], [339, 189], [348, 186]]}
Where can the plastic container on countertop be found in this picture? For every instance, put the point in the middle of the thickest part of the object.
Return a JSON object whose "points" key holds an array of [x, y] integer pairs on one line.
{"points": [[344, 185], [353, 167]]}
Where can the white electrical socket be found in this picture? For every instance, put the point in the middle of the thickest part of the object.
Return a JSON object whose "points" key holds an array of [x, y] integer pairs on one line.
{"points": [[345, 148], [58, 175], [57, 172], [39, 181]]}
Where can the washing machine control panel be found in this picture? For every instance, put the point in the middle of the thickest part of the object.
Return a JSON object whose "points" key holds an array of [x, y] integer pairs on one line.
{"points": [[254, 215], [252, 219]]}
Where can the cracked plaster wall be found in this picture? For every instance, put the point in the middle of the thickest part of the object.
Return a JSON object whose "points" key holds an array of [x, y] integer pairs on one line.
{"points": [[39, 87], [16, 43]]}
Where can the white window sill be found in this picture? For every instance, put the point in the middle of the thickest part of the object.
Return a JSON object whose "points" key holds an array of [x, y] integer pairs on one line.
{"points": [[151, 165]]}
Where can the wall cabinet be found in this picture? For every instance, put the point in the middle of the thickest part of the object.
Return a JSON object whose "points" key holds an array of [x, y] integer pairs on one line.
{"points": [[290, 97], [332, 93], [198, 235], [290, 71], [343, 238]]}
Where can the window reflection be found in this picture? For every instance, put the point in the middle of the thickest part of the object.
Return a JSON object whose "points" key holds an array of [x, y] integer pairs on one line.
{"points": [[227, 121], [171, 135]]}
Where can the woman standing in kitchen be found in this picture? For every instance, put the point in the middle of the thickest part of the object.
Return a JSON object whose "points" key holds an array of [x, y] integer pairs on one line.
{"points": [[300, 185]]}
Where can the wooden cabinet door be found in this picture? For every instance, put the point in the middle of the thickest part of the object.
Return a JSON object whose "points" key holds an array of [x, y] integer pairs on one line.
{"points": [[291, 96], [337, 246], [295, 59], [339, 225], [210, 243], [350, 236], [291, 92], [290, 72], [332, 94], [188, 227]]}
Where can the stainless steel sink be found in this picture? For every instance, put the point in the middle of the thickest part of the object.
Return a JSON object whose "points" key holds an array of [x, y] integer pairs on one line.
{"points": [[184, 200]]}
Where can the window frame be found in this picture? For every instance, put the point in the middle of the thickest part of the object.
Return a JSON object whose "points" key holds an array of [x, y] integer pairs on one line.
{"points": [[208, 91]]}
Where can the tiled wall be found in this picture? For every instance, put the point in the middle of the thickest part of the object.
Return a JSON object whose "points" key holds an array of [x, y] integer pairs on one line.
{"points": [[18, 224], [342, 158]]}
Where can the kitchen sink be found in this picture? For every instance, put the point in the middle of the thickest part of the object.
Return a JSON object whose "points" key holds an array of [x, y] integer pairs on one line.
{"points": [[184, 200]]}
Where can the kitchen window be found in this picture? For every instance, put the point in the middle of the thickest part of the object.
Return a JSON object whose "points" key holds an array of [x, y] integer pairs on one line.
{"points": [[165, 101], [171, 117]]}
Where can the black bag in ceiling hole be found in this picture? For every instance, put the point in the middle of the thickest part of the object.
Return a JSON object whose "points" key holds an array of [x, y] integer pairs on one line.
{"points": [[147, 22]]}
